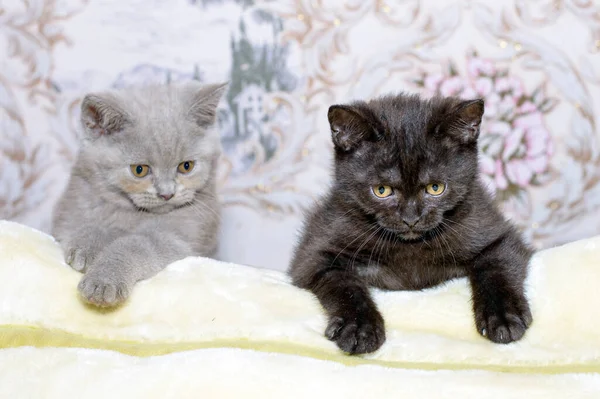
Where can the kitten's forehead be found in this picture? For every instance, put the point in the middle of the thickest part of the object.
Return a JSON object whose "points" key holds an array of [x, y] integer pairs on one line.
{"points": [[408, 153], [408, 171], [408, 157], [159, 141], [162, 132]]}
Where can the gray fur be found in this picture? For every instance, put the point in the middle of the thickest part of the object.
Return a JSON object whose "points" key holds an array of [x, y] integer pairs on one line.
{"points": [[115, 227]]}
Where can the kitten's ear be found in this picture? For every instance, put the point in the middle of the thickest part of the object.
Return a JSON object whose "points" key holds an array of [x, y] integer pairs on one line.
{"points": [[348, 127], [101, 114], [205, 101], [466, 120]]}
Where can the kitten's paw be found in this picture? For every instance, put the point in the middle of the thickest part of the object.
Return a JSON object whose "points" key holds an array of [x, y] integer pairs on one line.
{"points": [[357, 335], [503, 324], [103, 291], [78, 258]]}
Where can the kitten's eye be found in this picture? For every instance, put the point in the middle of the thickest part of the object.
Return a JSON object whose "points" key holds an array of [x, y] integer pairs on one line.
{"points": [[185, 167], [139, 170], [382, 191], [435, 189]]}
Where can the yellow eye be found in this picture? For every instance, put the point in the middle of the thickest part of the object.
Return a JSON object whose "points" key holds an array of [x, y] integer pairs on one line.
{"points": [[185, 167], [382, 191], [435, 189], [140, 170]]}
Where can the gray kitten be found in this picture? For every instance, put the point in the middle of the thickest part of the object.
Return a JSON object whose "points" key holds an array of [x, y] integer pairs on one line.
{"points": [[142, 190]]}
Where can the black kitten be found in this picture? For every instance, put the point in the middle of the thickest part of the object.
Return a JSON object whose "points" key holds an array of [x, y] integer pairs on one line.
{"points": [[407, 211]]}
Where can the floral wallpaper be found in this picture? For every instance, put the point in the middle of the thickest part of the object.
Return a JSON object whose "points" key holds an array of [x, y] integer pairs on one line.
{"points": [[535, 63]]}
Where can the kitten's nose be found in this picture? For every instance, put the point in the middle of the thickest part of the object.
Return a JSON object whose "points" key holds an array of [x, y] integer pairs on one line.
{"points": [[166, 197], [411, 222]]}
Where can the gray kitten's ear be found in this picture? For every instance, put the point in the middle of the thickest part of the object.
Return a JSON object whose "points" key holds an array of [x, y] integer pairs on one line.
{"points": [[349, 127], [101, 114], [205, 102], [466, 120]]}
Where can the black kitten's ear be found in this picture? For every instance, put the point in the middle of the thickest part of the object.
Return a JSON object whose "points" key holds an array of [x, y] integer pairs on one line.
{"points": [[348, 127], [205, 102], [466, 120], [102, 114]]}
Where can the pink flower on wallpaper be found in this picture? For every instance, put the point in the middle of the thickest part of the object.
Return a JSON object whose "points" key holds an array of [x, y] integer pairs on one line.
{"points": [[484, 86], [479, 66], [510, 85], [432, 82], [515, 143], [452, 86]]}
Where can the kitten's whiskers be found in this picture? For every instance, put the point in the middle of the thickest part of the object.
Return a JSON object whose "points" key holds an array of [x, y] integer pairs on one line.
{"points": [[372, 226], [352, 262], [379, 239], [198, 207], [462, 225]]}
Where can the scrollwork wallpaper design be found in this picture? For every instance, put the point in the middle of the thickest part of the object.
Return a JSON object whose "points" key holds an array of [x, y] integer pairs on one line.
{"points": [[535, 63]]}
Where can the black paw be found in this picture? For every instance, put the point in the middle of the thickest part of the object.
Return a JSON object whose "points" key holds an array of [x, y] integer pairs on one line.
{"points": [[357, 334], [503, 323]]}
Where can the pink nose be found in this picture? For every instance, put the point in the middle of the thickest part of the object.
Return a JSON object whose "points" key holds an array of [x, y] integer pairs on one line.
{"points": [[166, 197]]}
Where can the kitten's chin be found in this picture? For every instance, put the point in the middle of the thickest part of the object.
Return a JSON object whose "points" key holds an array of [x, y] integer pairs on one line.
{"points": [[158, 207], [410, 236]]}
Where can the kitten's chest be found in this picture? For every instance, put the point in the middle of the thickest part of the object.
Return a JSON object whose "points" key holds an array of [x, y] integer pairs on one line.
{"points": [[184, 225], [412, 266]]}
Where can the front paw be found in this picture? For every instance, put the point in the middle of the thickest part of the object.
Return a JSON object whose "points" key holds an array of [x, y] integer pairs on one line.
{"points": [[503, 321], [103, 290], [79, 258], [357, 334]]}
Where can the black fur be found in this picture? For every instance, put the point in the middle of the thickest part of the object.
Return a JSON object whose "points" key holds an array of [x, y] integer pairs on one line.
{"points": [[354, 239]]}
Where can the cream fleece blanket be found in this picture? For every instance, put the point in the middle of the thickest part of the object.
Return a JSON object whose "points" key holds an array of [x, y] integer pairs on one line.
{"points": [[202, 328]]}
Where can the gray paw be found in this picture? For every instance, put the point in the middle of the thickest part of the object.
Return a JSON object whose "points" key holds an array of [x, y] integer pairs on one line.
{"points": [[78, 258], [103, 291]]}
